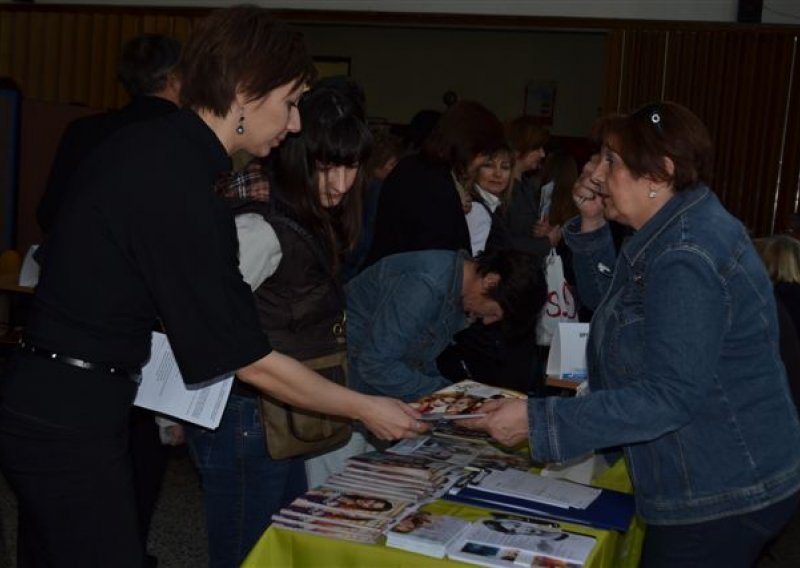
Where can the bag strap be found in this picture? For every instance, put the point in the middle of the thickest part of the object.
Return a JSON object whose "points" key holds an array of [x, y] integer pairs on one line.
{"points": [[338, 359]]}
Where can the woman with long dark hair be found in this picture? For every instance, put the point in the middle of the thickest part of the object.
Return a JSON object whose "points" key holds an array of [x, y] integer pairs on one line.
{"points": [[295, 216]]}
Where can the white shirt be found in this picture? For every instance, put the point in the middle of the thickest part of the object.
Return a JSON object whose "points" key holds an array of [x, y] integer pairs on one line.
{"points": [[259, 249]]}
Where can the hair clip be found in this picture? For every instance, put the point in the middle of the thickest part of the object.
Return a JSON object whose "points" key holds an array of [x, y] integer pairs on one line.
{"points": [[655, 118]]}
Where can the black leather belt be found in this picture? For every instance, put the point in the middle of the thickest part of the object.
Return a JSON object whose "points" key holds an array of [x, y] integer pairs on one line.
{"points": [[134, 375]]}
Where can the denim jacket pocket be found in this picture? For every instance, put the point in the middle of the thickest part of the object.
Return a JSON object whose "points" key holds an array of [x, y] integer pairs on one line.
{"points": [[625, 362]]}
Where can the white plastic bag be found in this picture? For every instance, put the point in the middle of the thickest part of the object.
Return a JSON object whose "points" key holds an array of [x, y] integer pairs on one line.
{"points": [[560, 304]]}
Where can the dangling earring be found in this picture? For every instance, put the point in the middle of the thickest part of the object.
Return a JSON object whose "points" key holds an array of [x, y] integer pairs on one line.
{"points": [[240, 128], [652, 193]]}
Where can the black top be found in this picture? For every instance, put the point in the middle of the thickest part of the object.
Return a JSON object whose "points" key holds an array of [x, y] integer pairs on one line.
{"points": [[419, 209], [81, 137], [144, 237]]}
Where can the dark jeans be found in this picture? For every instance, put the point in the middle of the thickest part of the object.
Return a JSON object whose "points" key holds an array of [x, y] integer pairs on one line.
{"points": [[242, 486], [732, 542], [149, 458], [64, 452]]}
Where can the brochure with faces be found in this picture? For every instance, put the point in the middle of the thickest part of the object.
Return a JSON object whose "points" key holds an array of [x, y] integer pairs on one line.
{"points": [[460, 400]]}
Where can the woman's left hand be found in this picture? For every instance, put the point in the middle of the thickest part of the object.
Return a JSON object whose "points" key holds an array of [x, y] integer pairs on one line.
{"points": [[390, 419], [506, 420]]}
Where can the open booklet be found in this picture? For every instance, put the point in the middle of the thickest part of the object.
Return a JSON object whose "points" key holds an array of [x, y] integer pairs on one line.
{"points": [[511, 542], [460, 400]]}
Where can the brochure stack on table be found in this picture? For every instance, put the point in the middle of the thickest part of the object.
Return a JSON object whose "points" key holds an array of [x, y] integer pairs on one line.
{"points": [[389, 495]]}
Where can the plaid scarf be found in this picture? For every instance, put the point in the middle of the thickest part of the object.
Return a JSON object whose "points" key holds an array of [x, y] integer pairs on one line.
{"points": [[248, 184]]}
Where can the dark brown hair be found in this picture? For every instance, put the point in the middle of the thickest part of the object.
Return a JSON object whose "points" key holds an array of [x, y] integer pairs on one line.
{"points": [[525, 134], [465, 131], [658, 130], [561, 168], [335, 134], [521, 291], [241, 48]]}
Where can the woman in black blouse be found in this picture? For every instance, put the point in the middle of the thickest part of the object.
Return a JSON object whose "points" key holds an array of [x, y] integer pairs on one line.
{"points": [[144, 239]]}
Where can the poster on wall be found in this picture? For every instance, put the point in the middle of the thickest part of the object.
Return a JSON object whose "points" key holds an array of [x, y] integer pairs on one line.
{"points": [[540, 101], [330, 66]]}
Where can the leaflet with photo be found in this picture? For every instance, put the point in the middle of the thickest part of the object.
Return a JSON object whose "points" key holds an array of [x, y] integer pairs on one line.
{"points": [[412, 466], [359, 472], [464, 453], [530, 539], [387, 492], [350, 476], [460, 400], [326, 530], [425, 533], [355, 503], [306, 513]]}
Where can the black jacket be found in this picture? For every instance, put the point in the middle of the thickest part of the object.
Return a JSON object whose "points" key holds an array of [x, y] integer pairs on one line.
{"points": [[419, 209], [80, 138]]}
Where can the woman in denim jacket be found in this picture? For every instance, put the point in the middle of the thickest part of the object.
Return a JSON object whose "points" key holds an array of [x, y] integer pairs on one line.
{"points": [[683, 360]]}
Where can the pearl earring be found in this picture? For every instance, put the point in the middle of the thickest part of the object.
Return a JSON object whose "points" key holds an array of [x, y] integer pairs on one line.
{"points": [[240, 128]]}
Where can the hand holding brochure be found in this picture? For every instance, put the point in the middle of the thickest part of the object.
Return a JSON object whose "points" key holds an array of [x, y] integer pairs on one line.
{"points": [[460, 401]]}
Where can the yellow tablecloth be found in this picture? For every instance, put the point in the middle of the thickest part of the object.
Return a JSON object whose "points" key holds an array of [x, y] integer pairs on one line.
{"points": [[279, 548]]}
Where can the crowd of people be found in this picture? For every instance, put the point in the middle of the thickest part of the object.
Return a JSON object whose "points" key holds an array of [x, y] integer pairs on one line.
{"points": [[420, 262]]}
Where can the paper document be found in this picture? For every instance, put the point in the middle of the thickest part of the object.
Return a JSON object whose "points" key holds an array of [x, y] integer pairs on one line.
{"points": [[162, 389], [567, 357], [537, 488], [29, 271]]}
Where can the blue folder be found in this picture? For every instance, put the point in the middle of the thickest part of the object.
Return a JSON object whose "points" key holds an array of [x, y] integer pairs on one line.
{"points": [[611, 510]]}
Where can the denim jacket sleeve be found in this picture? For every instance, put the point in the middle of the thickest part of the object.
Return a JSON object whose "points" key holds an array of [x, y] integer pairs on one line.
{"points": [[660, 364], [391, 358], [593, 260]]}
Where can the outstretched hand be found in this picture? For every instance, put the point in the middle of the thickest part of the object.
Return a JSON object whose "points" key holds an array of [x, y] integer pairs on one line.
{"points": [[506, 420], [390, 419]]}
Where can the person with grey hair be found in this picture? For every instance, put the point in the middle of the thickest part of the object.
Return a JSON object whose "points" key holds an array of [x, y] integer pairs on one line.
{"points": [[147, 72]]}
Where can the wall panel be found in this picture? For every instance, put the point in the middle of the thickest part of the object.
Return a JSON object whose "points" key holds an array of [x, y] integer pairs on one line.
{"points": [[738, 82]]}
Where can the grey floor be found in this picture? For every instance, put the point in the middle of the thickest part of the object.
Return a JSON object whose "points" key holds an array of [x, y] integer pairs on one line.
{"points": [[177, 535]]}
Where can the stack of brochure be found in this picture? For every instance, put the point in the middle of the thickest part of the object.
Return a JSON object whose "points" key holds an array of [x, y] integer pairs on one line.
{"points": [[363, 500], [426, 533], [471, 454], [507, 542], [346, 515]]}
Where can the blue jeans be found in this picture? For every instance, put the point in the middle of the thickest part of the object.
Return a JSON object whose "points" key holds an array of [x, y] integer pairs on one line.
{"points": [[732, 542], [242, 486]]}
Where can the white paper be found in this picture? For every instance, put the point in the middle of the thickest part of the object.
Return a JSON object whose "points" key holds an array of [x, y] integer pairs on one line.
{"points": [[162, 389], [539, 489], [29, 271], [567, 358]]}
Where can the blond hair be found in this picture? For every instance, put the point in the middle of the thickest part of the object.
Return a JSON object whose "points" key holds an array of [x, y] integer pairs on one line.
{"points": [[781, 255]]}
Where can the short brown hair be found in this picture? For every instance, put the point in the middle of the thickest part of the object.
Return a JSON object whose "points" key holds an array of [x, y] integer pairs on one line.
{"points": [[525, 134], [241, 48], [658, 130], [467, 130]]}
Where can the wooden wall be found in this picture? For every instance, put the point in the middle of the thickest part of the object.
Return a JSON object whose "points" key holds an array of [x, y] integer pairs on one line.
{"points": [[745, 85], [743, 81]]}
